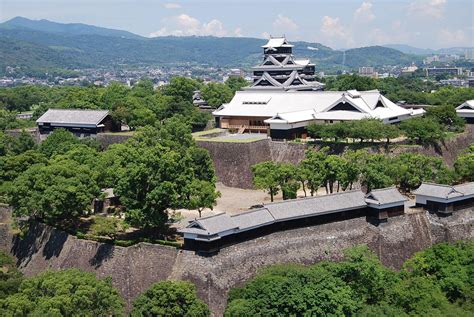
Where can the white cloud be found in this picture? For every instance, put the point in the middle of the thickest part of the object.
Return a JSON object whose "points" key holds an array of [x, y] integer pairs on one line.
{"points": [[427, 8], [171, 5], [185, 25], [214, 27], [364, 12], [284, 24], [266, 35], [452, 38], [238, 32], [334, 32]]}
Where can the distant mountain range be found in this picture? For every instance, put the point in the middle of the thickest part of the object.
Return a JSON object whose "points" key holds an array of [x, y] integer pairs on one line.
{"points": [[62, 28], [407, 49], [43, 45]]}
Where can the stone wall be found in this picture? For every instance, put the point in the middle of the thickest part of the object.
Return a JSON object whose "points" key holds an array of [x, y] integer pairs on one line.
{"points": [[132, 269], [233, 161], [107, 139], [135, 268]]}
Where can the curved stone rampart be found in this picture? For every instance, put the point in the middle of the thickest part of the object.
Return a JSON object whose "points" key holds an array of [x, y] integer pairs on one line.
{"points": [[135, 268]]}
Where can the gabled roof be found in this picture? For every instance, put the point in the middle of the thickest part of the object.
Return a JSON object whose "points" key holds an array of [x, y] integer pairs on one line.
{"points": [[466, 106], [211, 225], [277, 42], [73, 117], [384, 196], [292, 117], [281, 101], [438, 191]]}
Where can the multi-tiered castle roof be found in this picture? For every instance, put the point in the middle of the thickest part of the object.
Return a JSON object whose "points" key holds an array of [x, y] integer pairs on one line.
{"points": [[280, 70]]}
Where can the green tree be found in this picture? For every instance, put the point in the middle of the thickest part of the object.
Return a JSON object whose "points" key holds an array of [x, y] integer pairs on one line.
{"points": [[64, 293], [410, 170], [22, 143], [236, 83], [202, 194], [348, 82], [419, 296], [446, 116], [287, 178], [313, 166], [265, 176], [448, 264], [216, 94], [10, 276], [333, 165], [422, 130], [170, 298], [58, 142], [62, 190], [464, 165], [11, 166], [376, 172], [364, 273], [290, 290], [157, 170], [181, 88]]}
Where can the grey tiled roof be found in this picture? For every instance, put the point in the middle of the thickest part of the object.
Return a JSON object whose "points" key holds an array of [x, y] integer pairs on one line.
{"points": [[385, 196], [437, 190], [466, 189], [73, 116], [258, 217], [288, 209], [312, 206], [216, 223]]}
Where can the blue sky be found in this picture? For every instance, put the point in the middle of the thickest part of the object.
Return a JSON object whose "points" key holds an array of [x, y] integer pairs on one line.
{"points": [[337, 23]]}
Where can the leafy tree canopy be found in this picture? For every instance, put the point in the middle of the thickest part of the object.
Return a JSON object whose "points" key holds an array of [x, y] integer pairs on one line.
{"points": [[435, 282], [170, 298], [10, 276], [64, 293]]}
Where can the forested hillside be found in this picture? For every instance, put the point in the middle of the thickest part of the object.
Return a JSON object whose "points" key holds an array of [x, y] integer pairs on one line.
{"points": [[52, 44]]}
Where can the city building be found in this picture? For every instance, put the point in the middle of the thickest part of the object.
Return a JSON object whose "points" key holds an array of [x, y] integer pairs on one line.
{"points": [[469, 54], [209, 234], [82, 123], [280, 70], [466, 111], [408, 70], [434, 71], [445, 199], [368, 71], [455, 82]]}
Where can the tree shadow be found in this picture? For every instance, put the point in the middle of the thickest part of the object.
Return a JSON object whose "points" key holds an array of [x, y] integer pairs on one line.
{"points": [[55, 244], [23, 247], [104, 252]]}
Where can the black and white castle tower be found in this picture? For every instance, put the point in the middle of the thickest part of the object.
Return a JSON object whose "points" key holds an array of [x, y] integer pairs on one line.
{"points": [[280, 70]]}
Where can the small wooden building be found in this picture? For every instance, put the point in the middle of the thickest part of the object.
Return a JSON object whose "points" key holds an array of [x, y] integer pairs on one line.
{"points": [[82, 123], [445, 199]]}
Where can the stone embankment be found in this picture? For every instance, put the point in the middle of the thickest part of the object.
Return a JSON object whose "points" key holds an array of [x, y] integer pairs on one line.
{"points": [[135, 268], [233, 161]]}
